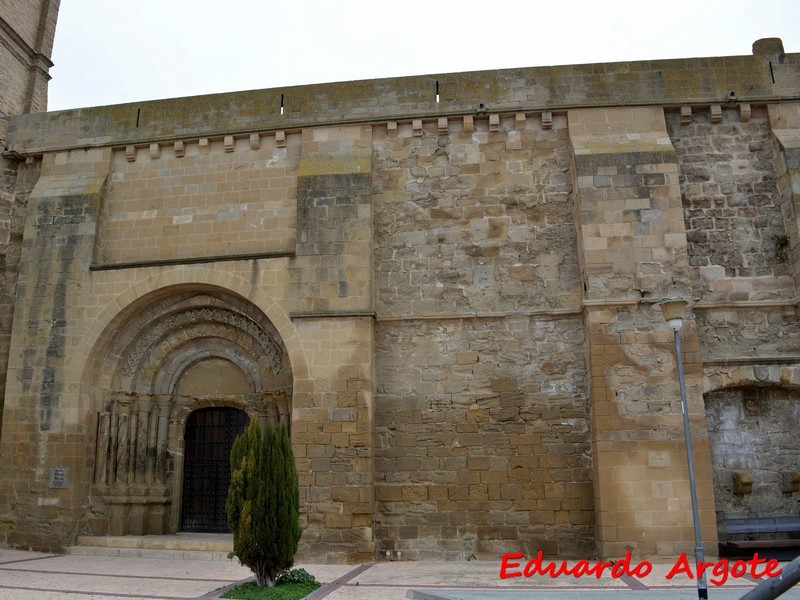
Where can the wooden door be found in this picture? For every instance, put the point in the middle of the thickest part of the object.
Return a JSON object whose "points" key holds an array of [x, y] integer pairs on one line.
{"points": [[210, 433]]}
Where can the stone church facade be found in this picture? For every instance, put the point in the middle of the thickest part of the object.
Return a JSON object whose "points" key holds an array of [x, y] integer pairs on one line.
{"points": [[444, 285]]}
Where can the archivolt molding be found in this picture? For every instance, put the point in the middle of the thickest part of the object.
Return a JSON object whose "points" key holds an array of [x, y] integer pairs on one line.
{"points": [[93, 361], [166, 357], [268, 348]]}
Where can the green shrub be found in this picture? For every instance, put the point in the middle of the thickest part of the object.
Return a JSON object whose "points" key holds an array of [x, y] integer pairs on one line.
{"points": [[264, 502], [299, 576]]}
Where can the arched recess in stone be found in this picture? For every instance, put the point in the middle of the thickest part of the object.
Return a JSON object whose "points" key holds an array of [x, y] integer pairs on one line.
{"points": [[755, 450], [719, 377], [173, 352]]}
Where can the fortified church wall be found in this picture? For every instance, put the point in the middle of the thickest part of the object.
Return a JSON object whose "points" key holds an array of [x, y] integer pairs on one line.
{"points": [[445, 285]]}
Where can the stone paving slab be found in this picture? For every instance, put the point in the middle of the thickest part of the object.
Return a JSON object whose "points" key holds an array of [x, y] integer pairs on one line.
{"points": [[31, 575], [219, 542], [25, 575], [468, 574]]}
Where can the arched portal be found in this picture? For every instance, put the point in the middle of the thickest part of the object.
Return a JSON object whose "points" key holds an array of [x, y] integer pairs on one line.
{"points": [[183, 368]]}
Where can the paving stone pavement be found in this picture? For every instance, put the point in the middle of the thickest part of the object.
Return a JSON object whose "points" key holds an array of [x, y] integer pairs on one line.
{"points": [[31, 575]]}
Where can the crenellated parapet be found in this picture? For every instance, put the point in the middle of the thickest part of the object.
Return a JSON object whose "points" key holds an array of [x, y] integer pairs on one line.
{"points": [[766, 76]]}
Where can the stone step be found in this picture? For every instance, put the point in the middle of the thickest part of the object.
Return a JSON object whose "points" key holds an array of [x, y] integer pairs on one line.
{"points": [[181, 546]]}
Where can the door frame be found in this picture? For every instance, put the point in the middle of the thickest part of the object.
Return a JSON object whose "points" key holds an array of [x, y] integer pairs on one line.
{"points": [[178, 444]]}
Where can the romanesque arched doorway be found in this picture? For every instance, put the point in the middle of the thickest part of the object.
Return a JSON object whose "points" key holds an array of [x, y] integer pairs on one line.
{"points": [[209, 437], [182, 366]]}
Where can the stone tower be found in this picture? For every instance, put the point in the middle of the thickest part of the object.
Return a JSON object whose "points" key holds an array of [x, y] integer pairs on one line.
{"points": [[27, 29]]}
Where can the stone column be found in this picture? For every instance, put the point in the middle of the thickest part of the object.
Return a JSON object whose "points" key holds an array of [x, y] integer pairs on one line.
{"points": [[632, 246], [282, 404], [103, 447], [164, 405], [133, 435], [152, 443], [143, 406], [122, 407], [113, 429]]}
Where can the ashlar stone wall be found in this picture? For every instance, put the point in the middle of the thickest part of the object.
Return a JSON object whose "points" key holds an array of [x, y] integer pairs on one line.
{"points": [[200, 198], [741, 223], [482, 440], [17, 183], [72, 408], [632, 250]]}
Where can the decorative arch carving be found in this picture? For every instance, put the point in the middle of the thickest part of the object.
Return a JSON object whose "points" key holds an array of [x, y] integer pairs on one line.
{"points": [[193, 317]]}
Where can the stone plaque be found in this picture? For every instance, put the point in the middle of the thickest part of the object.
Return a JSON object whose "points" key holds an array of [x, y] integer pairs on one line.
{"points": [[59, 477], [484, 276]]}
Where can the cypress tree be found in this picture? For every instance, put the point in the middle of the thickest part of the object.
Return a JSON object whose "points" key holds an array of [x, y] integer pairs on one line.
{"points": [[263, 502]]}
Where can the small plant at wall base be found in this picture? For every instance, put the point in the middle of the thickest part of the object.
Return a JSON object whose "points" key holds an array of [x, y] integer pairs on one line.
{"points": [[264, 502], [291, 585]]}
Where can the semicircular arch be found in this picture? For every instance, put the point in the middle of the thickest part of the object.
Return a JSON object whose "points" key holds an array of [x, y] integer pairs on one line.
{"points": [[716, 378], [143, 365], [89, 368]]}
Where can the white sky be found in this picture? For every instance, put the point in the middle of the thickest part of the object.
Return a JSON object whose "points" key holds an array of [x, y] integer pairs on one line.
{"points": [[113, 51]]}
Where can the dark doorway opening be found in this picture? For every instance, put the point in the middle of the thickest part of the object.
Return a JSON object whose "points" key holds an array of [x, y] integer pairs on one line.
{"points": [[209, 436]]}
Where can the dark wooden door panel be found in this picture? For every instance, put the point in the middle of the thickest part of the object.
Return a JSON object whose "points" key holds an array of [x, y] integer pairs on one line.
{"points": [[210, 433]]}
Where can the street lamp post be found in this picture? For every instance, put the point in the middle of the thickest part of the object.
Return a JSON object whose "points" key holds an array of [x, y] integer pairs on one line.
{"points": [[675, 312]]}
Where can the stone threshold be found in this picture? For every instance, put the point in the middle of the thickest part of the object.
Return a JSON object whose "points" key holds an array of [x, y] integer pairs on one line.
{"points": [[181, 546]]}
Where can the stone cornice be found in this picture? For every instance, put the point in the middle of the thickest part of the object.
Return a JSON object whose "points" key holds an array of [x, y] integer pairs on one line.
{"points": [[552, 313], [736, 304], [194, 260]]}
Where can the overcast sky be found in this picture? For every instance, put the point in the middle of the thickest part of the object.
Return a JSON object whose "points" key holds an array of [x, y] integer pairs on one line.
{"points": [[113, 51]]}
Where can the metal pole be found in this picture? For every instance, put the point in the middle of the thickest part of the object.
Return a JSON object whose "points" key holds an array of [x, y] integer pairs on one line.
{"points": [[702, 588], [775, 586]]}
